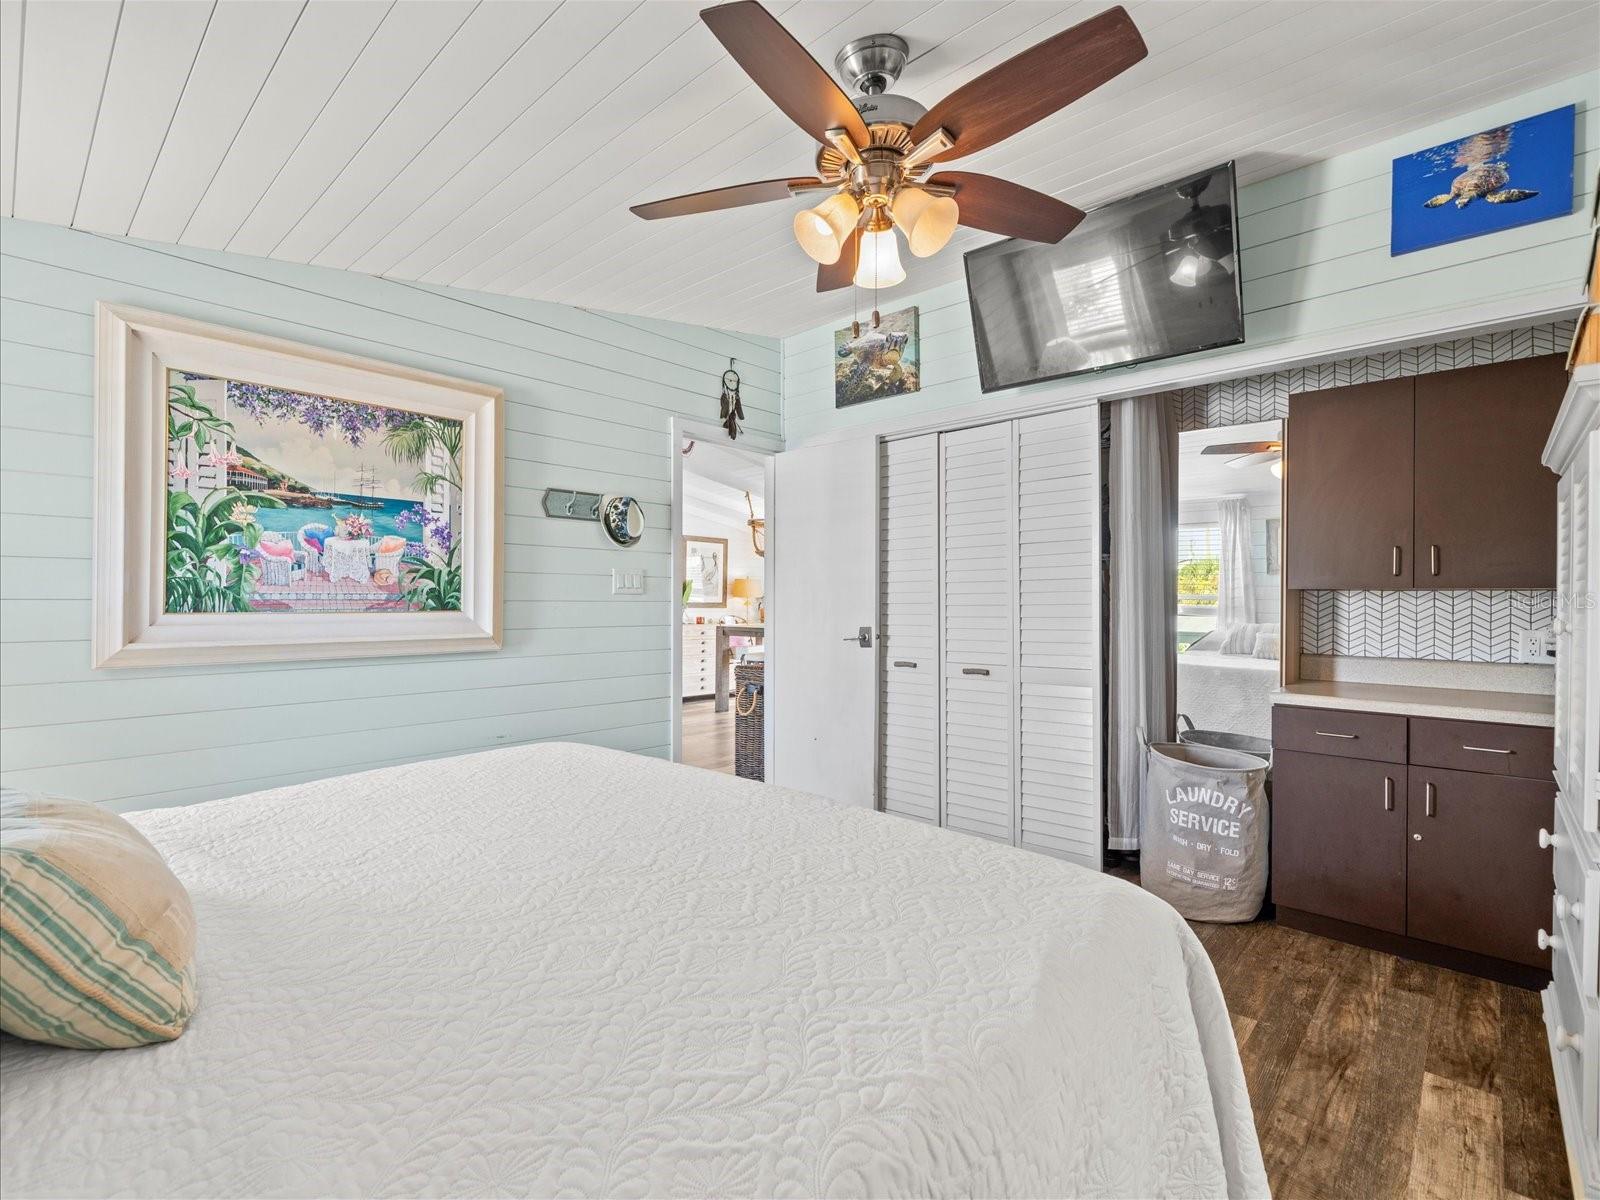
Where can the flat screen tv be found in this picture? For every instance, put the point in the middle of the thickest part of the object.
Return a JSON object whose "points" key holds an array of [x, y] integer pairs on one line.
{"points": [[1147, 277]]}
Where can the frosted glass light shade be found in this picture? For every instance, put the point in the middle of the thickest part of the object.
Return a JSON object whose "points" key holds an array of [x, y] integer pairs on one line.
{"points": [[928, 221], [822, 231], [879, 266]]}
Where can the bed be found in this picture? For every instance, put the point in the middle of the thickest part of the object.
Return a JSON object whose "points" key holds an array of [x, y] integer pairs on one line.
{"points": [[1227, 692], [557, 969]]}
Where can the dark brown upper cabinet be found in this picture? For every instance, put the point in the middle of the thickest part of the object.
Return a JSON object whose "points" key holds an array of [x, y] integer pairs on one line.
{"points": [[1347, 486], [1485, 504], [1428, 482]]}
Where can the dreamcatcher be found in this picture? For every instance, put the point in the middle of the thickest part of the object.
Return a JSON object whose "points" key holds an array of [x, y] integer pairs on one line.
{"points": [[732, 407]]}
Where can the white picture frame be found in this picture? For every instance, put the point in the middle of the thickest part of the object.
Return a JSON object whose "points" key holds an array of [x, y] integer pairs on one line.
{"points": [[135, 350]]}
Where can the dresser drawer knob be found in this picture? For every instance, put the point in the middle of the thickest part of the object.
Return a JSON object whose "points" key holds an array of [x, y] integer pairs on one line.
{"points": [[1568, 908], [1549, 941], [1548, 839], [1568, 1041]]}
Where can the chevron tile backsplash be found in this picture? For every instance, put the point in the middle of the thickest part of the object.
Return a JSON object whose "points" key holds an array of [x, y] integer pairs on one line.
{"points": [[1265, 397], [1480, 626]]}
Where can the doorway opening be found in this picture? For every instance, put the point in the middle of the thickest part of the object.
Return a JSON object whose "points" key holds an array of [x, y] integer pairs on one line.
{"points": [[721, 631]]}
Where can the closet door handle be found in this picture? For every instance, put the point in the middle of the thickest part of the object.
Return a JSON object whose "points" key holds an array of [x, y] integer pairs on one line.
{"points": [[974, 670], [1429, 802], [1395, 561], [900, 662], [1433, 560], [1388, 794]]}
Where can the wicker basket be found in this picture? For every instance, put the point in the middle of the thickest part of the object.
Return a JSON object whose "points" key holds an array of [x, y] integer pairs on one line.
{"points": [[749, 720]]}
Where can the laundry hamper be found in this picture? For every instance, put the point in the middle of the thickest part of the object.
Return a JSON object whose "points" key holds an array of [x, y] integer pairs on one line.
{"points": [[749, 719], [1203, 831]]}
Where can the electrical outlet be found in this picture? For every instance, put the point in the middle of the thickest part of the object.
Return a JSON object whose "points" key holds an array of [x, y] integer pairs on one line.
{"points": [[627, 583], [1536, 646]]}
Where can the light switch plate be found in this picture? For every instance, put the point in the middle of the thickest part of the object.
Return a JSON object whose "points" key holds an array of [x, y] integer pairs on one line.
{"points": [[627, 583]]}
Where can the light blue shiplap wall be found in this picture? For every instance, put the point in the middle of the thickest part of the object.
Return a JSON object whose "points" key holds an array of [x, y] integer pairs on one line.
{"points": [[589, 400], [1314, 252]]}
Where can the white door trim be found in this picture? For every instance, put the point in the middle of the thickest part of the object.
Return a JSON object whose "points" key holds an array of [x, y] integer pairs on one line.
{"points": [[757, 445]]}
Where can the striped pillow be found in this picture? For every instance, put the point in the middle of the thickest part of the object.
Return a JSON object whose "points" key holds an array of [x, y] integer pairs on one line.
{"points": [[96, 933]]}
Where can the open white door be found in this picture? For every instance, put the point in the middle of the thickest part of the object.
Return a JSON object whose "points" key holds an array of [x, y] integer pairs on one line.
{"points": [[822, 693]]}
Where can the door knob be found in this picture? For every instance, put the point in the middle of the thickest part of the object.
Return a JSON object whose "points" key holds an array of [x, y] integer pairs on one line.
{"points": [[862, 637], [1549, 941]]}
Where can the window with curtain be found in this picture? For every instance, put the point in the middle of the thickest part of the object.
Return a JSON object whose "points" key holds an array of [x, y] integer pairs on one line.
{"points": [[1199, 560]]}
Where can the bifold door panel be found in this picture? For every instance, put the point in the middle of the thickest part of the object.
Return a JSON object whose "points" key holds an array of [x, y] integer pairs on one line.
{"points": [[989, 592]]}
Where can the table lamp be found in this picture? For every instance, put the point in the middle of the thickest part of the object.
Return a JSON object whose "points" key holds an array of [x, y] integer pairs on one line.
{"points": [[746, 589]]}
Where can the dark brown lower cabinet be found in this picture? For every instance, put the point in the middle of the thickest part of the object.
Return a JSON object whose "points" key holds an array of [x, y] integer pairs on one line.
{"points": [[1475, 875], [1424, 861], [1343, 855]]}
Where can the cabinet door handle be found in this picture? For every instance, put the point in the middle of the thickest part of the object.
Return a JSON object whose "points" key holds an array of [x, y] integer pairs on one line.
{"points": [[1429, 792], [1433, 559], [1488, 750], [974, 670], [1349, 737], [901, 662], [1388, 794], [1396, 561]]}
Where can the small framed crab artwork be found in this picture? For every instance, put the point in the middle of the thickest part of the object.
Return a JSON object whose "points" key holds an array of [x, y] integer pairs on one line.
{"points": [[259, 499], [1515, 174]]}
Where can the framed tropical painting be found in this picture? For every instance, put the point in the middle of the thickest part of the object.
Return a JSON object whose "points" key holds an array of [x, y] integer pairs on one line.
{"points": [[259, 499]]}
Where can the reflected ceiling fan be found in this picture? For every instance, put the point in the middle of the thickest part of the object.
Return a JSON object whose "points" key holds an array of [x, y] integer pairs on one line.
{"points": [[879, 151], [1250, 454]]}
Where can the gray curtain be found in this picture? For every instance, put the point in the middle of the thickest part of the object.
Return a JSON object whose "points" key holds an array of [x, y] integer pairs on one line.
{"points": [[1236, 583], [1141, 679]]}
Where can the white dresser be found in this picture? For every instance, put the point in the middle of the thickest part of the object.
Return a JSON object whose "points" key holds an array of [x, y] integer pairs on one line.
{"points": [[1572, 1002], [699, 661]]}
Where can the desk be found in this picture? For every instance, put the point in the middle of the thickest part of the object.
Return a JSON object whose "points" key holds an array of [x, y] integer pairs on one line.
{"points": [[758, 632]]}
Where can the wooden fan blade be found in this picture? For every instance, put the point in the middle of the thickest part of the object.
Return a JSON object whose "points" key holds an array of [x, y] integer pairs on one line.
{"points": [[838, 275], [1009, 208], [1243, 448], [728, 197], [782, 69], [1030, 86]]}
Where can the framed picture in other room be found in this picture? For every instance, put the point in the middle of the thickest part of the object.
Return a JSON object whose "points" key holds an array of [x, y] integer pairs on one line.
{"points": [[705, 572], [1496, 179]]}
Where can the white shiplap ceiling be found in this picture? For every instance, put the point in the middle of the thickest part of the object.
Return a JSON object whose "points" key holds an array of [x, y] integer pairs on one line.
{"points": [[498, 145]]}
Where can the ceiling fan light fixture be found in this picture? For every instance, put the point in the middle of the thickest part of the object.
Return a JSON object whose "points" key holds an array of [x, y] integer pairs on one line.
{"points": [[879, 265], [823, 231], [928, 221]]}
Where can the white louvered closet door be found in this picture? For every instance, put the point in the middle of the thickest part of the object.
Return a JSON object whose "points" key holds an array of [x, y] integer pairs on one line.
{"points": [[1058, 639], [908, 589], [977, 569]]}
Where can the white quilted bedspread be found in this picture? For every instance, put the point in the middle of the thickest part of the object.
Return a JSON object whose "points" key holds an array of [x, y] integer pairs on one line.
{"points": [[557, 970]]}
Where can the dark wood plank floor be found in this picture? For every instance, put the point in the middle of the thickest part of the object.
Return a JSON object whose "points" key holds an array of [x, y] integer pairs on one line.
{"points": [[708, 736], [1374, 1077]]}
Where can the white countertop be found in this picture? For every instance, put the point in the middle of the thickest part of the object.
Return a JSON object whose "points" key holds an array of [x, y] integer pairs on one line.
{"points": [[1507, 708]]}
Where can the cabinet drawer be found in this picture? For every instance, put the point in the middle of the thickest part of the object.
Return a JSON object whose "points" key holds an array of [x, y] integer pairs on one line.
{"points": [[1573, 1023], [1376, 737], [1575, 907], [1526, 751]]}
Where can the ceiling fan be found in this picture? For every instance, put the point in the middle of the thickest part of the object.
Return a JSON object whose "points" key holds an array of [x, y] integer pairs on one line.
{"points": [[1250, 454], [879, 150]]}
